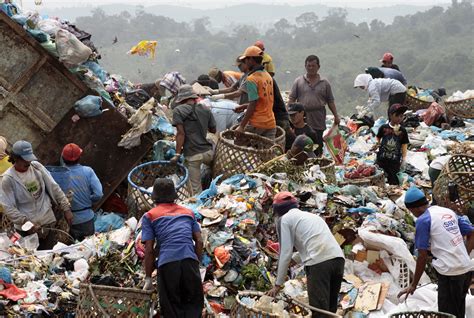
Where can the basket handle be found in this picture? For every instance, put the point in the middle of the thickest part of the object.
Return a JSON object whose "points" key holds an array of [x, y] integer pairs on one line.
{"points": [[96, 301], [277, 150]]}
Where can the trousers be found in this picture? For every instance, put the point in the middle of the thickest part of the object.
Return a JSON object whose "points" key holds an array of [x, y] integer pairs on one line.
{"points": [[324, 282], [452, 292], [180, 289], [193, 163]]}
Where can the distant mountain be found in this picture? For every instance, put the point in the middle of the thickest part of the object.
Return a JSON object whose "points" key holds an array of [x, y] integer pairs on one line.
{"points": [[253, 14]]}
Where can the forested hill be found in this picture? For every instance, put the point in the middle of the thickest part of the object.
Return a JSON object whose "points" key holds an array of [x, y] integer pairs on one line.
{"points": [[434, 48]]}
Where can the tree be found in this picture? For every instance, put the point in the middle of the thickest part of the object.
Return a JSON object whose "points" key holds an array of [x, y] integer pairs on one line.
{"points": [[201, 25], [308, 20]]}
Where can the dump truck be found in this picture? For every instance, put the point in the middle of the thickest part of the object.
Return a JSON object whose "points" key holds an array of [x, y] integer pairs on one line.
{"points": [[37, 96]]}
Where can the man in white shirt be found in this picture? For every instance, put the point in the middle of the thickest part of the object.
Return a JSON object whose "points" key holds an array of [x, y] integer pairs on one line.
{"points": [[318, 249], [441, 231]]}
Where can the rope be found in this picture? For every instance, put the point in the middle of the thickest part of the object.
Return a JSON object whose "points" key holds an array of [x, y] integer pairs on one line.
{"points": [[64, 232]]}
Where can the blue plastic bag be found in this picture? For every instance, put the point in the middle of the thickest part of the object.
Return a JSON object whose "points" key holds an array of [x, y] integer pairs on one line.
{"points": [[97, 70], [105, 222], [236, 179], [39, 36], [89, 106], [162, 124]]}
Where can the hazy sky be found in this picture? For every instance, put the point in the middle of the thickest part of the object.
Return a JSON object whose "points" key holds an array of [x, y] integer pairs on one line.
{"points": [[30, 4]]}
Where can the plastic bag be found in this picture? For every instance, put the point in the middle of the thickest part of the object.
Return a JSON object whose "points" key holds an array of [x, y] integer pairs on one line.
{"points": [[336, 144], [432, 114], [71, 51], [108, 221], [49, 26], [50, 46], [11, 291], [97, 70], [144, 48], [39, 36], [89, 106]]}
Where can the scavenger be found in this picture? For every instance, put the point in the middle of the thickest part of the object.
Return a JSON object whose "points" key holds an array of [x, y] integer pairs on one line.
{"points": [[192, 121], [381, 90], [28, 194], [392, 142], [318, 249], [314, 92], [86, 190], [440, 231], [259, 117], [178, 252]]}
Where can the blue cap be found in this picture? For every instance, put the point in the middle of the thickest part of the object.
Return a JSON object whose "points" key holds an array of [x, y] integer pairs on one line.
{"points": [[414, 198], [24, 149]]}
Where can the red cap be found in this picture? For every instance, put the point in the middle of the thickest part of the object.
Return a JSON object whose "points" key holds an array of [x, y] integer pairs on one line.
{"points": [[284, 196], [71, 152], [260, 45], [387, 57]]}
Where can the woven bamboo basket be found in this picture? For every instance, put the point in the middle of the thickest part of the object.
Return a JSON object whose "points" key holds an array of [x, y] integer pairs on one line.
{"points": [[459, 172], [280, 136], [421, 314], [143, 176], [243, 311], [113, 302], [376, 180], [462, 108], [231, 159], [5, 224], [326, 165], [415, 104]]}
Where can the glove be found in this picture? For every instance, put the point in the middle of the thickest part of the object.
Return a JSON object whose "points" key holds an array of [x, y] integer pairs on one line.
{"points": [[148, 284], [213, 91], [175, 159], [403, 166], [217, 97]]}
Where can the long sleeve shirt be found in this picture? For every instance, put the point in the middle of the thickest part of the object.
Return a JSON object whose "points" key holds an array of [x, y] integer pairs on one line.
{"points": [[380, 89], [311, 237], [31, 201], [86, 189]]}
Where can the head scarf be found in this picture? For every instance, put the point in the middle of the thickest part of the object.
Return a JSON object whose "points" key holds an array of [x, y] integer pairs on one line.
{"points": [[3, 147], [362, 80]]}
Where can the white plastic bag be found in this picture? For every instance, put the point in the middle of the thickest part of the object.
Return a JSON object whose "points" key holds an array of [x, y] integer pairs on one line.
{"points": [[49, 26], [71, 51], [394, 245]]}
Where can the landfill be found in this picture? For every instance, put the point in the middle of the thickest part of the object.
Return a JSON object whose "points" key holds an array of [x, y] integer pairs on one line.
{"points": [[369, 221]]}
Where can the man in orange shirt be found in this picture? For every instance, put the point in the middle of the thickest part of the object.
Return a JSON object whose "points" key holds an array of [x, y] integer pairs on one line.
{"points": [[228, 78], [259, 118]]}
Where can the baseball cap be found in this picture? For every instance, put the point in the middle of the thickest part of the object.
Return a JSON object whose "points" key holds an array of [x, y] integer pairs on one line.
{"points": [[415, 198], [24, 149], [387, 57], [397, 108], [260, 45], [295, 108], [251, 51], [71, 152], [284, 196], [306, 144]]}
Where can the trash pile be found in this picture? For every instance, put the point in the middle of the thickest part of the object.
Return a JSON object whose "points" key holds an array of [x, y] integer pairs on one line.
{"points": [[369, 221], [47, 282], [458, 95]]}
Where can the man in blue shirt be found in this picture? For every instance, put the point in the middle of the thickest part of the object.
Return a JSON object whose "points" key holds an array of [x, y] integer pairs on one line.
{"points": [[178, 251], [86, 190], [442, 232]]}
